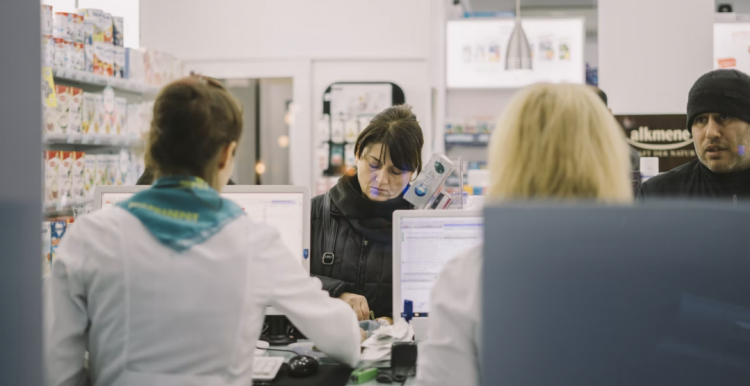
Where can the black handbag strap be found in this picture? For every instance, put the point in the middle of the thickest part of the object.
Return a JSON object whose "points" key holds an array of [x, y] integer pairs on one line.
{"points": [[329, 240]]}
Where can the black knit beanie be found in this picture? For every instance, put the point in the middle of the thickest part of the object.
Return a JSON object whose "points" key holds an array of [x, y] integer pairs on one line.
{"points": [[720, 91]]}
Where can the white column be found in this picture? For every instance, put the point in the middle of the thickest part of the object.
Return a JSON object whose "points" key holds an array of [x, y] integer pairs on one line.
{"points": [[652, 51]]}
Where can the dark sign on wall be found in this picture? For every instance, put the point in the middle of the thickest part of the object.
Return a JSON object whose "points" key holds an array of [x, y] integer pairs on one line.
{"points": [[662, 136]]}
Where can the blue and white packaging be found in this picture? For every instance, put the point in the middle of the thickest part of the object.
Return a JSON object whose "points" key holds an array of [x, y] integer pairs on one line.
{"points": [[434, 174]]}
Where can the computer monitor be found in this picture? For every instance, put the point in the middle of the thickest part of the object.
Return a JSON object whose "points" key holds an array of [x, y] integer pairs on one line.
{"points": [[423, 240], [287, 208], [592, 295]]}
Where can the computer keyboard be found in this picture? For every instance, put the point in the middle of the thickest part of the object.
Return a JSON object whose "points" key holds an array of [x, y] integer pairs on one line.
{"points": [[265, 368]]}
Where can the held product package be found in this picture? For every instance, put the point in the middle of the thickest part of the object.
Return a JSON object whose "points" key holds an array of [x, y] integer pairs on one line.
{"points": [[75, 110], [118, 57], [65, 175], [77, 182], [89, 175], [62, 118], [435, 172], [108, 112], [118, 36], [101, 170], [57, 231], [121, 116], [47, 22], [51, 185]]}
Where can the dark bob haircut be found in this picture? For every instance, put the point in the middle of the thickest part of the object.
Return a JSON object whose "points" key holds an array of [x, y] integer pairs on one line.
{"points": [[397, 129]]}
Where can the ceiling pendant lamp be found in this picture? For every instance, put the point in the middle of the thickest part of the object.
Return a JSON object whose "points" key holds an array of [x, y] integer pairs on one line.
{"points": [[518, 56]]}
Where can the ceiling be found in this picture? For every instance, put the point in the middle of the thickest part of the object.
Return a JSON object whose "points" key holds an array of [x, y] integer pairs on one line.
{"points": [[510, 5]]}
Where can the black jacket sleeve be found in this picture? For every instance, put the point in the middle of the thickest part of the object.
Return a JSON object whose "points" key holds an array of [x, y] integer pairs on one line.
{"points": [[334, 287]]}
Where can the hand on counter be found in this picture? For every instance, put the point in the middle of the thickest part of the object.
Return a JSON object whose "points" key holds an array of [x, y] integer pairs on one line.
{"points": [[358, 303]]}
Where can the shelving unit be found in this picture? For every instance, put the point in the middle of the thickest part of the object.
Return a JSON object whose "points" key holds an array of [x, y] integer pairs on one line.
{"points": [[87, 78], [92, 140], [455, 139], [57, 210]]}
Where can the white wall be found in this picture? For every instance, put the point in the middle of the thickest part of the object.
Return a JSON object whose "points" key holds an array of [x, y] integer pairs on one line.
{"points": [[652, 51], [321, 42]]}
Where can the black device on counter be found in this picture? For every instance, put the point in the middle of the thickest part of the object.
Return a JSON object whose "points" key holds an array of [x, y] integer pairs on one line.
{"points": [[279, 332], [403, 359], [303, 366]]}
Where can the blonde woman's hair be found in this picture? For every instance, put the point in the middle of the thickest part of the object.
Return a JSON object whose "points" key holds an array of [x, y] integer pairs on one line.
{"points": [[558, 141]]}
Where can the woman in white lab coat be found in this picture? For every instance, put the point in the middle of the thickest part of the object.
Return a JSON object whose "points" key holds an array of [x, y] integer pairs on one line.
{"points": [[170, 287], [554, 142]]}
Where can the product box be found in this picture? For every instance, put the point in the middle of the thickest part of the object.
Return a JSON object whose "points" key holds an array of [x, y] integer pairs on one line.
{"points": [[98, 122], [118, 36], [96, 19], [49, 100], [78, 176], [108, 112], [65, 177], [89, 175], [113, 168], [118, 62], [48, 50], [62, 26], [51, 185], [62, 52], [88, 57], [121, 116], [62, 119], [75, 110], [103, 59], [87, 30], [77, 57], [134, 65], [88, 112], [427, 183], [106, 27], [47, 22], [57, 231], [46, 247], [101, 170], [78, 31], [147, 111], [123, 169], [133, 117]]}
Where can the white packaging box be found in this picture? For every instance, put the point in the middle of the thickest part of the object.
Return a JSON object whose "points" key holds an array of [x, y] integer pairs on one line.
{"points": [[88, 58], [89, 175], [98, 123], [77, 57], [62, 52], [101, 170], [121, 116], [62, 118], [118, 35], [75, 110], [123, 174], [118, 61], [147, 110], [78, 30], [92, 19], [62, 26], [51, 186], [65, 177], [48, 50], [78, 183], [113, 168], [106, 27], [88, 112], [108, 111], [47, 23], [134, 69], [132, 120]]}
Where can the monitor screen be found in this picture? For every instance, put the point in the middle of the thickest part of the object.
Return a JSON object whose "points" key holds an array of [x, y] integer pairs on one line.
{"points": [[284, 211], [427, 243]]}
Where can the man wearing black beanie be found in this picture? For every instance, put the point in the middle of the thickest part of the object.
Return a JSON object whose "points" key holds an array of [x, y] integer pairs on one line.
{"points": [[718, 115]]}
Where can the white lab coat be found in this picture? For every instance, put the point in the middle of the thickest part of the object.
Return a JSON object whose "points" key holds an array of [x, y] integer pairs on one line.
{"points": [[151, 316], [450, 354]]}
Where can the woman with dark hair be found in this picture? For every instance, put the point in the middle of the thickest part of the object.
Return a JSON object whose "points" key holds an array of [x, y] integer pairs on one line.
{"points": [[351, 224], [170, 287]]}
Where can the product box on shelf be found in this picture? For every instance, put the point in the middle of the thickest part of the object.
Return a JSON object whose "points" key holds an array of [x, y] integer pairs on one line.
{"points": [[121, 116], [134, 65], [62, 26], [98, 114], [57, 231], [51, 186], [147, 113], [107, 30], [78, 176], [62, 119], [88, 58], [108, 112], [113, 168], [101, 170], [103, 59], [118, 35], [95, 18], [88, 112], [47, 22], [132, 120], [62, 52], [118, 62], [77, 28], [75, 110], [49, 100], [46, 247], [65, 176], [89, 175], [48, 50], [77, 57]]}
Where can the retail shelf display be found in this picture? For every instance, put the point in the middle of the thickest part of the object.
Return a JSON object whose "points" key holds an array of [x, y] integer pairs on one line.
{"points": [[93, 140], [467, 139], [61, 209], [70, 75]]}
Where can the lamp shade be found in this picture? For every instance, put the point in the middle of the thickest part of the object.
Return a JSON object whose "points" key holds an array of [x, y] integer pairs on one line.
{"points": [[518, 56]]}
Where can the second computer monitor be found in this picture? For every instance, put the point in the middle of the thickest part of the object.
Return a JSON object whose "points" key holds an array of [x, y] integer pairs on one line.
{"points": [[423, 241]]}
